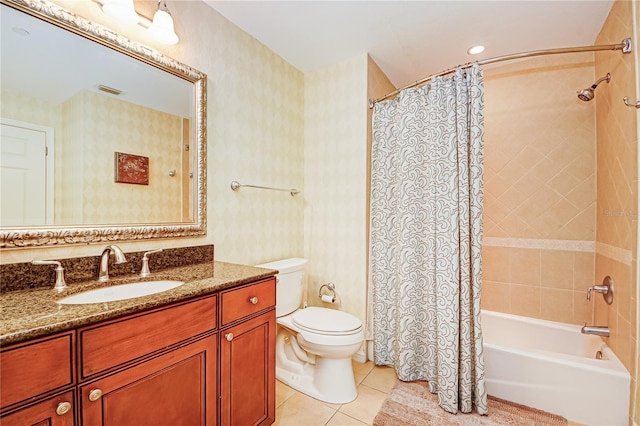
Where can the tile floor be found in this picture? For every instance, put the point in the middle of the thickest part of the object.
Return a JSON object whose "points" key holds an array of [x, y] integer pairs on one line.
{"points": [[374, 383]]}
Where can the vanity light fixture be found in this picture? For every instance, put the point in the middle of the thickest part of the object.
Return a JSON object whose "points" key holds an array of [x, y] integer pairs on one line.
{"points": [[162, 25], [474, 50], [161, 28], [121, 9]]}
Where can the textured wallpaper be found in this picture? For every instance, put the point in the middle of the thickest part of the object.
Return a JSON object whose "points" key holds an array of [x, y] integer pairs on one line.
{"points": [[30, 110], [335, 173], [108, 125]]}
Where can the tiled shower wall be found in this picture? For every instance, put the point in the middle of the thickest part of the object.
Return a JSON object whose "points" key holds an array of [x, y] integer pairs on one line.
{"points": [[540, 189], [617, 170]]}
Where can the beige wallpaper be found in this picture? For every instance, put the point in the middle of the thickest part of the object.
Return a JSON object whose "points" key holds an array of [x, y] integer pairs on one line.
{"points": [[335, 173], [85, 143], [255, 135], [31, 110], [108, 125], [617, 170], [70, 166]]}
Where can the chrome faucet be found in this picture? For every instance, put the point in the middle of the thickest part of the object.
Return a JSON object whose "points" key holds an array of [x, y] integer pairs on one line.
{"points": [[597, 330], [606, 289], [103, 275]]}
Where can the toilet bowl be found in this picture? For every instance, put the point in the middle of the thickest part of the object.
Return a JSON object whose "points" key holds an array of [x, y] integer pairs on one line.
{"points": [[314, 346]]}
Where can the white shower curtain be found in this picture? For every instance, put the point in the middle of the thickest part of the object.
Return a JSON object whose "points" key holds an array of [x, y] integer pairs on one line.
{"points": [[426, 236]]}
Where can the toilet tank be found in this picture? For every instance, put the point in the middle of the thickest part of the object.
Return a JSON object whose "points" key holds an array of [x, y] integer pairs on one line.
{"points": [[289, 284]]}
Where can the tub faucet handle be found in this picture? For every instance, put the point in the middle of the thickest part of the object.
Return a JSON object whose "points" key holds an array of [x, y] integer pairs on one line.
{"points": [[606, 289], [599, 288]]}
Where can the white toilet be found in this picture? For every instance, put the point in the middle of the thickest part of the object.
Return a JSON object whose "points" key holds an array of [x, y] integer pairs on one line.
{"points": [[314, 346]]}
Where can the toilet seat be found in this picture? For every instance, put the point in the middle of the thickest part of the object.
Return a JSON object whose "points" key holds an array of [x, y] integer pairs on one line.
{"points": [[325, 321]]}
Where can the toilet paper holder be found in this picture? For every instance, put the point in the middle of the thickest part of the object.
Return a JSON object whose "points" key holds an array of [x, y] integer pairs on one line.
{"points": [[331, 292]]}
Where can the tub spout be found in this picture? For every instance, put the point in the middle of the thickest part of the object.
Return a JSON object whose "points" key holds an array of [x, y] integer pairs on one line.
{"points": [[595, 329]]}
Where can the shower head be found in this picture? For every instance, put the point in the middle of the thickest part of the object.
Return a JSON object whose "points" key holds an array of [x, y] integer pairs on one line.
{"points": [[589, 93]]}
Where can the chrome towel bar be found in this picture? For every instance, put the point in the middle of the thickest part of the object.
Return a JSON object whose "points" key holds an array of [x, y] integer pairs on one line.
{"points": [[235, 185]]}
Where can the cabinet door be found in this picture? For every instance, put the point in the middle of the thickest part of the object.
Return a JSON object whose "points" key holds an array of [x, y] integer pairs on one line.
{"points": [[36, 368], [176, 388], [247, 372], [56, 411]]}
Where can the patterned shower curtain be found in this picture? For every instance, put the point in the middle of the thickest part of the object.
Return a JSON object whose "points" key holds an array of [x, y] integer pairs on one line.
{"points": [[426, 237]]}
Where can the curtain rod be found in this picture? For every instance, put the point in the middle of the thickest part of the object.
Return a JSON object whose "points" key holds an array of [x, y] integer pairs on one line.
{"points": [[625, 46]]}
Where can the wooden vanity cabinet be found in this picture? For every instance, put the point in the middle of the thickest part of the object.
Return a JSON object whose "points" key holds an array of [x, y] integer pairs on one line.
{"points": [[247, 354], [37, 380], [207, 361]]}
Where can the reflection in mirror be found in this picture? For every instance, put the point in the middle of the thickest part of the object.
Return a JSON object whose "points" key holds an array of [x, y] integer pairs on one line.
{"points": [[101, 138]]}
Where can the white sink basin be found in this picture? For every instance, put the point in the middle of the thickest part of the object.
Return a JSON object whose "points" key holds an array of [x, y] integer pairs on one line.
{"points": [[120, 292]]}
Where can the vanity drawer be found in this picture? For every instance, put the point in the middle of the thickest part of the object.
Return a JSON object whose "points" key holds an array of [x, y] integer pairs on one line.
{"points": [[36, 368], [118, 342], [247, 300]]}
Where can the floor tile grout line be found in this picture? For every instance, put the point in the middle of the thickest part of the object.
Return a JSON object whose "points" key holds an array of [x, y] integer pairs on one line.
{"points": [[332, 416]]}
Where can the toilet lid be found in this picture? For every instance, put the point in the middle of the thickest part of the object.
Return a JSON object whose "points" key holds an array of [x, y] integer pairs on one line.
{"points": [[326, 321]]}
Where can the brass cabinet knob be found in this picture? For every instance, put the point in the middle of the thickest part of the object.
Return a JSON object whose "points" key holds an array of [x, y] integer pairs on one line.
{"points": [[229, 336], [63, 408], [253, 300], [95, 395]]}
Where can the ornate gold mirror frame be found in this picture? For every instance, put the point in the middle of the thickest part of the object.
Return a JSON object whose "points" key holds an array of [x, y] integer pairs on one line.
{"points": [[59, 235]]}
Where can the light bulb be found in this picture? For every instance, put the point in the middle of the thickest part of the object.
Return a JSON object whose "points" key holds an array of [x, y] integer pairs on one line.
{"points": [[122, 10], [162, 25]]}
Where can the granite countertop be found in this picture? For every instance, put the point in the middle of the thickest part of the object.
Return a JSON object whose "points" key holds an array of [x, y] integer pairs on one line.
{"points": [[34, 313]]}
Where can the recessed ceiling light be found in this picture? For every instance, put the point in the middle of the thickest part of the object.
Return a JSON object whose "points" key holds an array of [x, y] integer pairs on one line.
{"points": [[474, 50]]}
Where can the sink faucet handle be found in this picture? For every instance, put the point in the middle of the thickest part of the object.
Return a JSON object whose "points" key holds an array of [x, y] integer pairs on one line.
{"points": [[60, 283], [144, 271]]}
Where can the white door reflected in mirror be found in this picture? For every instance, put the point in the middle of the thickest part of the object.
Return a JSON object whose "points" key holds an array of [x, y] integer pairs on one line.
{"points": [[26, 177]]}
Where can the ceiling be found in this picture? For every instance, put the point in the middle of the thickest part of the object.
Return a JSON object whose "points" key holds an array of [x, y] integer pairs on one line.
{"points": [[412, 39]]}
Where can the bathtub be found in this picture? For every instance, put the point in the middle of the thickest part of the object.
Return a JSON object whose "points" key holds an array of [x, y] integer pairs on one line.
{"points": [[553, 367]]}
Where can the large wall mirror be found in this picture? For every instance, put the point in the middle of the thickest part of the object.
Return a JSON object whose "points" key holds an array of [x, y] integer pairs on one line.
{"points": [[102, 138]]}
